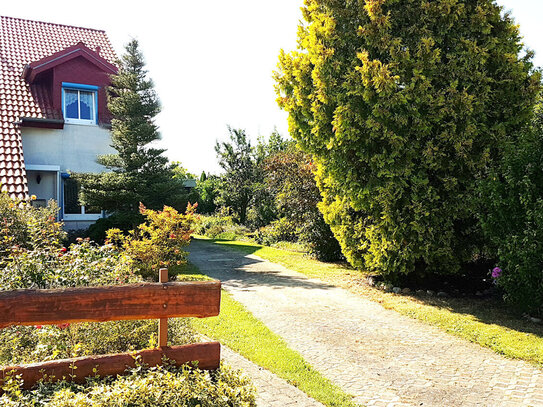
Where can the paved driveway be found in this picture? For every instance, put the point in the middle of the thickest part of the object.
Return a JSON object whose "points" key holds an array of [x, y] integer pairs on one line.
{"points": [[379, 356]]}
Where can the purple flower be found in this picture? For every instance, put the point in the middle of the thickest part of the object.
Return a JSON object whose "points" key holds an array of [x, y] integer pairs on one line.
{"points": [[496, 272]]}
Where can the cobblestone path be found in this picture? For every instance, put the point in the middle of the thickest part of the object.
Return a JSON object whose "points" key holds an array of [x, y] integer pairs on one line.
{"points": [[272, 391], [377, 355]]}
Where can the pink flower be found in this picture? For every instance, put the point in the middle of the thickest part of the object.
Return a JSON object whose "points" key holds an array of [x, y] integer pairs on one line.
{"points": [[38, 327], [496, 272]]}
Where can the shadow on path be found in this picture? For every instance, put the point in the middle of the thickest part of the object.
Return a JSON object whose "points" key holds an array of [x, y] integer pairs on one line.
{"points": [[235, 268]]}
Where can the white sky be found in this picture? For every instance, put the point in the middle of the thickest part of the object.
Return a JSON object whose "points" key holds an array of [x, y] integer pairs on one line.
{"points": [[212, 61]]}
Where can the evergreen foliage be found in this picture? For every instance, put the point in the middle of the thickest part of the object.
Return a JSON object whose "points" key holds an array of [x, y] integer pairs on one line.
{"points": [[512, 218], [405, 106], [138, 172]]}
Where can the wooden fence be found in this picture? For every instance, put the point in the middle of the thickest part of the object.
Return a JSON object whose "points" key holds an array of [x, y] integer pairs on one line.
{"points": [[161, 300]]}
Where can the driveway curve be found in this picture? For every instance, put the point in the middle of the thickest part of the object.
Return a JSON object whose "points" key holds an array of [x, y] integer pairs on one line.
{"points": [[377, 355]]}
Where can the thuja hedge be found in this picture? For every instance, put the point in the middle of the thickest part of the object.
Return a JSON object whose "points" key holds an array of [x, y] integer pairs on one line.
{"points": [[406, 106]]}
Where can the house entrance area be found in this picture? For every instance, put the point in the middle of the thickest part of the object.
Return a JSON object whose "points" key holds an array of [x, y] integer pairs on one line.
{"points": [[44, 184], [47, 182]]}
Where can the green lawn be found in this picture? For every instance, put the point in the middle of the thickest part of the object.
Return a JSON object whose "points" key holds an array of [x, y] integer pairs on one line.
{"points": [[484, 321], [242, 332]]}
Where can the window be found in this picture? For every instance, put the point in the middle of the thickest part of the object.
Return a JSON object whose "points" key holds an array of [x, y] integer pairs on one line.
{"points": [[71, 200], [79, 103]]}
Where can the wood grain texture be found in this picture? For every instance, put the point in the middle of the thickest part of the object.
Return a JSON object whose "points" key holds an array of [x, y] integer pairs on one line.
{"points": [[110, 303], [207, 354], [163, 322]]}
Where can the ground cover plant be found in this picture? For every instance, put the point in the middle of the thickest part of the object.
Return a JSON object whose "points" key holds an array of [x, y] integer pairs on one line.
{"points": [[162, 386], [241, 331], [485, 321]]}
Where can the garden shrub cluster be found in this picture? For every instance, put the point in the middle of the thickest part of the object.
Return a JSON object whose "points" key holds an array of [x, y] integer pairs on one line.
{"points": [[33, 256], [268, 193], [220, 226], [415, 112], [162, 386]]}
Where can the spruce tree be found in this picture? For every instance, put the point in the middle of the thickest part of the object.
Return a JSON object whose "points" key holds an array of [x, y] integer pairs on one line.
{"points": [[137, 172]]}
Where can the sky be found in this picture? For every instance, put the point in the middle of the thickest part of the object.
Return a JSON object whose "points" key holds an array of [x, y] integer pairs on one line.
{"points": [[212, 61]]}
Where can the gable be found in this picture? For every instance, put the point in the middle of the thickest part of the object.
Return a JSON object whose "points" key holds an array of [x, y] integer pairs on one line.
{"points": [[22, 43]]}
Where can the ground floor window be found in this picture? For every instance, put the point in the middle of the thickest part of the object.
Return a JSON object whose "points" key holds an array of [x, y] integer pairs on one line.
{"points": [[71, 200]]}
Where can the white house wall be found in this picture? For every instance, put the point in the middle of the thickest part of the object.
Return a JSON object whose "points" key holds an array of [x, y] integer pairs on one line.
{"points": [[47, 188], [73, 148]]}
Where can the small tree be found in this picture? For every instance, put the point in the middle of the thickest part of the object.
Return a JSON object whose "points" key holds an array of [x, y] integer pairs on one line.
{"points": [[208, 188], [238, 159], [138, 173], [290, 180]]}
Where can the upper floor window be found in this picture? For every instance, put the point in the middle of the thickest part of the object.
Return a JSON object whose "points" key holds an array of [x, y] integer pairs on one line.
{"points": [[79, 103]]}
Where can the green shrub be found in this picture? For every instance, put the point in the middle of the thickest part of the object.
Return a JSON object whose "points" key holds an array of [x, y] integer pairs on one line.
{"points": [[220, 227], [404, 105], [83, 264], [512, 218], [158, 241], [122, 221], [166, 386], [280, 230], [27, 227], [24, 344]]}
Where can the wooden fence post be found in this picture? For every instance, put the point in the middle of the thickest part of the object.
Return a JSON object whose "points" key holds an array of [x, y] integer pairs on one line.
{"points": [[163, 322]]}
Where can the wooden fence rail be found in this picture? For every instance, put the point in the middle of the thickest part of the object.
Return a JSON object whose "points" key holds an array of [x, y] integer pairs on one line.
{"points": [[112, 303]]}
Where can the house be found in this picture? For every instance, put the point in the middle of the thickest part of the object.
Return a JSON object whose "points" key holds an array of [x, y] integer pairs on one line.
{"points": [[53, 114]]}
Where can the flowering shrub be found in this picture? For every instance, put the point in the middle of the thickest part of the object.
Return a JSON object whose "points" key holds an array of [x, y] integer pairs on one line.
{"points": [[24, 226], [512, 219], [157, 242], [496, 272]]}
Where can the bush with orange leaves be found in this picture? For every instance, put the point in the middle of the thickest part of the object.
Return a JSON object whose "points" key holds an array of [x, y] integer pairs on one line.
{"points": [[157, 242]]}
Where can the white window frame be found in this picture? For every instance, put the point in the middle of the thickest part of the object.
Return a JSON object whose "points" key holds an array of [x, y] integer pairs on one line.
{"points": [[79, 216], [80, 88]]}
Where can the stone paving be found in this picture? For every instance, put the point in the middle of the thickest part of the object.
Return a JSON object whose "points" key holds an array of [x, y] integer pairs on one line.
{"points": [[271, 390], [377, 355]]}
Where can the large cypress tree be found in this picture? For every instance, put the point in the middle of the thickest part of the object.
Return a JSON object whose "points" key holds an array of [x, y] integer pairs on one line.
{"points": [[138, 172], [405, 105]]}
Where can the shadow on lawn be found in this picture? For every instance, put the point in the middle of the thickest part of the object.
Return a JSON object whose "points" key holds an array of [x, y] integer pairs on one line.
{"points": [[229, 264], [490, 311]]}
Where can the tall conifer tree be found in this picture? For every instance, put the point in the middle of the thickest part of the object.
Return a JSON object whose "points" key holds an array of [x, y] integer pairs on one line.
{"points": [[138, 172]]}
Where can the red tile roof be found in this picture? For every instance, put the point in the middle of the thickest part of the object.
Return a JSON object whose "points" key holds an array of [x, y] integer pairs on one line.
{"points": [[21, 43]]}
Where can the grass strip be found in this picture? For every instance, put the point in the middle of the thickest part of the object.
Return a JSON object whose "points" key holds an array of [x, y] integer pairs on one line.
{"points": [[242, 332], [487, 322]]}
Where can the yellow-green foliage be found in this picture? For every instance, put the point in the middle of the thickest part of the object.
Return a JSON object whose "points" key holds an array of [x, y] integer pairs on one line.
{"points": [[157, 242], [405, 105], [143, 387]]}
